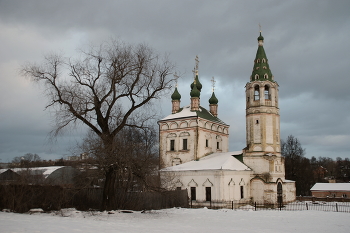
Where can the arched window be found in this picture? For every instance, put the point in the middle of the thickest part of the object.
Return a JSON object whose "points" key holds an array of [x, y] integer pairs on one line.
{"points": [[263, 60], [171, 141], [256, 93], [184, 136], [258, 60], [218, 142], [256, 76], [266, 76], [267, 93]]}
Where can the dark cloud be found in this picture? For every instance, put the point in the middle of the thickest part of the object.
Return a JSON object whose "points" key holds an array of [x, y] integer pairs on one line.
{"points": [[305, 42]]}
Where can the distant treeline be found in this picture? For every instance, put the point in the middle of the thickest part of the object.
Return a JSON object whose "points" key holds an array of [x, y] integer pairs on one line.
{"points": [[306, 172]]}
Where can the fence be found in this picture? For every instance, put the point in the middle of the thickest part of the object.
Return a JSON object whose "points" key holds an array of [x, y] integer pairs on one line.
{"points": [[319, 205], [22, 198], [324, 199], [92, 199]]}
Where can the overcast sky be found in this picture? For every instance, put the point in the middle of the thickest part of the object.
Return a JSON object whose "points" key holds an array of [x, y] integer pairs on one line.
{"points": [[306, 42]]}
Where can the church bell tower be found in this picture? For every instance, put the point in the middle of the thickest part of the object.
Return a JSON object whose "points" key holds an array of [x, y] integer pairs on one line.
{"points": [[263, 150]]}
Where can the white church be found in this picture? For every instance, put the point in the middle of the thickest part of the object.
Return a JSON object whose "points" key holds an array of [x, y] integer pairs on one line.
{"points": [[194, 146]]}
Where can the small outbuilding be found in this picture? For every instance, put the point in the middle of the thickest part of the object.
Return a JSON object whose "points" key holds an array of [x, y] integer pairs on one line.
{"points": [[54, 175], [8, 176], [331, 190]]}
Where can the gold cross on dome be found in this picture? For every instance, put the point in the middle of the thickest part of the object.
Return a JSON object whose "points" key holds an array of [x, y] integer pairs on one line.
{"points": [[176, 78], [213, 83], [197, 62], [259, 27], [194, 72]]}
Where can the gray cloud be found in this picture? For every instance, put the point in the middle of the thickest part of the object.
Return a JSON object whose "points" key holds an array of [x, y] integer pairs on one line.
{"points": [[305, 42]]}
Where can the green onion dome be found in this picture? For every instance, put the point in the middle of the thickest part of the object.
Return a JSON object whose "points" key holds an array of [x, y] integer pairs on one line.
{"points": [[195, 92], [198, 84], [176, 95], [213, 99]]}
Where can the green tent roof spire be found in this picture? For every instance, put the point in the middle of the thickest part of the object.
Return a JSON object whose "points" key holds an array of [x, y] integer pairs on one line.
{"points": [[261, 70]]}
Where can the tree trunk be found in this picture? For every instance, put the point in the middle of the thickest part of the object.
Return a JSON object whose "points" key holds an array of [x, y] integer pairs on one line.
{"points": [[109, 197]]}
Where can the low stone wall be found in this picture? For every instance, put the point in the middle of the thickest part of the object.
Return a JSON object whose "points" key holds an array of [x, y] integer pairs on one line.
{"points": [[326, 199], [337, 194]]}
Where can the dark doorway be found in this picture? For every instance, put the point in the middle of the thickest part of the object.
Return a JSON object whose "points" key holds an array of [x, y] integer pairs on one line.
{"points": [[208, 193], [279, 194], [193, 193]]}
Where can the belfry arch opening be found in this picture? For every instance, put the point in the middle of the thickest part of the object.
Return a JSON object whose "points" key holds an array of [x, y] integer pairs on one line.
{"points": [[267, 93], [256, 93]]}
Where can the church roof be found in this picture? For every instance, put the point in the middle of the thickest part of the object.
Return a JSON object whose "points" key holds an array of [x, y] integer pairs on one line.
{"points": [[216, 161], [186, 112]]}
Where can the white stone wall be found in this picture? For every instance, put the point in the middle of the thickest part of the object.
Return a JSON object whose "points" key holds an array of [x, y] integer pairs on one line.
{"points": [[257, 163], [262, 118], [225, 185], [274, 165], [289, 191], [196, 131], [263, 192], [177, 135]]}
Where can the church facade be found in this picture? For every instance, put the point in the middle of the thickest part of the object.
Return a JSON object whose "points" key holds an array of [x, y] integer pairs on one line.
{"points": [[194, 145]]}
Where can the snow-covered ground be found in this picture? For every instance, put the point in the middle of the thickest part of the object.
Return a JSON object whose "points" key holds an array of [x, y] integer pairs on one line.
{"points": [[177, 220]]}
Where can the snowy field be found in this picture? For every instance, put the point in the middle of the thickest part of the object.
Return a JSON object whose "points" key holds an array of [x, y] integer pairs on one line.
{"points": [[177, 220]]}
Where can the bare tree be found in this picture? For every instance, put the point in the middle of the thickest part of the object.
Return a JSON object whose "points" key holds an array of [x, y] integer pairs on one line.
{"points": [[104, 90], [134, 159], [298, 168], [27, 160]]}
